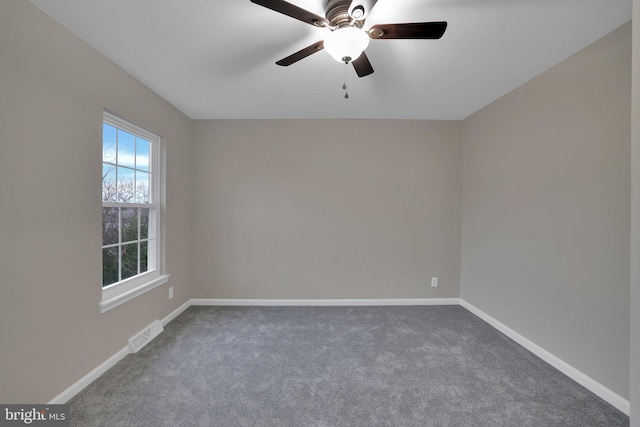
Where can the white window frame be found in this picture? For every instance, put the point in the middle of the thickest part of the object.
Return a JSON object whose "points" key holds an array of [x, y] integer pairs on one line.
{"points": [[125, 290]]}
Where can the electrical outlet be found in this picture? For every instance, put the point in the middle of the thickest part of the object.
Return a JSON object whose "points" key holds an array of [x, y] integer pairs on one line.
{"points": [[171, 292], [434, 282]]}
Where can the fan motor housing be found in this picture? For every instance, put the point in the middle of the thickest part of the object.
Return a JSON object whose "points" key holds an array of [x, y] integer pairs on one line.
{"points": [[337, 12]]}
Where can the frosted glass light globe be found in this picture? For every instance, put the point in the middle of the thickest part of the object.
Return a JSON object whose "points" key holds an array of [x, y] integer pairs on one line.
{"points": [[346, 44]]}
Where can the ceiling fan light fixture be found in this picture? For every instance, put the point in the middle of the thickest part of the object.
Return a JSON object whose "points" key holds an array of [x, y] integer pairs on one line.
{"points": [[346, 44]]}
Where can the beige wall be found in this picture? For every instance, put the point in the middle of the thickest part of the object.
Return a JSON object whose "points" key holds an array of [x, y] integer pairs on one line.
{"points": [[634, 380], [326, 208], [53, 88], [545, 211]]}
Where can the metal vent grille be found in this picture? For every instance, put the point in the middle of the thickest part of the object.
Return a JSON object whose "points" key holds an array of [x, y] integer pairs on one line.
{"points": [[143, 337]]}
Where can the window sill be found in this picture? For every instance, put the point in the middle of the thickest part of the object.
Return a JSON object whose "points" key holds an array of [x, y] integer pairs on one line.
{"points": [[108, 304]]}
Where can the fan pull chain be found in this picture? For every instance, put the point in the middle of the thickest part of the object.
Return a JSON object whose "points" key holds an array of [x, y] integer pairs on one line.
{"points": [[344, 85]]}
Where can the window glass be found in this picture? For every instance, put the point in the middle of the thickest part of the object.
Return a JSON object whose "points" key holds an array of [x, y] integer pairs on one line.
{"points": [[128, 202]]}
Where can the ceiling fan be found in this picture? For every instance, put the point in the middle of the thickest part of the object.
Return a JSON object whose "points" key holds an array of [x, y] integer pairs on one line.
{"points": [[347, 40]]}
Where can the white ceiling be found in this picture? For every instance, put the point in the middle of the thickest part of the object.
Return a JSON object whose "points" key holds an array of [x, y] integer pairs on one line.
{"points": [[216, 58]]}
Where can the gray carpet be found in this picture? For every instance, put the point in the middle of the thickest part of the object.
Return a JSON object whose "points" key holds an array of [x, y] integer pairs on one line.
{"points": [[336, 366]]}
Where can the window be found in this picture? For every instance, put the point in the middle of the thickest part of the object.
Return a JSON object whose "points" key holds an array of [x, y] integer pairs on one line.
{"points": [[131, 233]]}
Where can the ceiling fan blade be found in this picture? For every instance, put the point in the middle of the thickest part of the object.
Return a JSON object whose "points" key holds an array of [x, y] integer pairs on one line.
{"points": [[293, 11], [301, 54], [364, 6], [362, 65], [418, 30]]}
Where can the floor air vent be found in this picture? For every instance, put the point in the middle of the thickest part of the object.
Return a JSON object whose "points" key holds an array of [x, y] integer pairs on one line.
{"points": [[141, 339]]}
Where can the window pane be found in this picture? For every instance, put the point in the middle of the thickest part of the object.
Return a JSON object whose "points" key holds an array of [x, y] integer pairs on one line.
{"points": [[142, 187], [108, 183], [109, 226], [129, 218], [144, 223], [142, 154], [129, 260], [144, 256], [126, 149], [127, 230], [109, 266], [108, 143], [126, 184]]}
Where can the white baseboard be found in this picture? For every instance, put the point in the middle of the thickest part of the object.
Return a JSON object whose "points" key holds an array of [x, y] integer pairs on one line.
{"points": [[175, 313], [324, 302], [83, 382], [587, 382]]}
